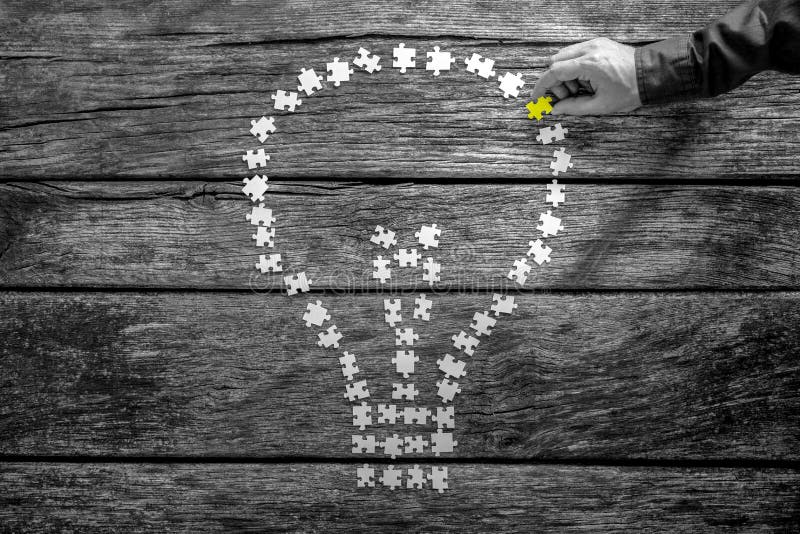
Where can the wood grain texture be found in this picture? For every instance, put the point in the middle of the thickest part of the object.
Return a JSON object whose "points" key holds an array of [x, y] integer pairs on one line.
{"points": [[164, 91], [75, 23], [137, 108], [323, 498], [652, 375], [179, 235]]}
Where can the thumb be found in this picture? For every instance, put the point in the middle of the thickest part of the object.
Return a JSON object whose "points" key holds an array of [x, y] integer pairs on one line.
{"points": [[578, 105]]}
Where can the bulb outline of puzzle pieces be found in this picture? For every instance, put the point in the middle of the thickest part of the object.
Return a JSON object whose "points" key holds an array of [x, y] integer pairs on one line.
{"points": [[482, 322]]}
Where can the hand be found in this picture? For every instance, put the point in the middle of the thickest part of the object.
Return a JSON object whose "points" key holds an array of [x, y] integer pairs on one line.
{"points": [[602, 67]]}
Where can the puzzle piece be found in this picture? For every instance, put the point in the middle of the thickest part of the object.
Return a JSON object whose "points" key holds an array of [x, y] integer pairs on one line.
{"points": [[439, 61], [392, 309], [451, 367], [367, 62], [393, 446], [416, 478], [562, 162], [269, 265], [539, 108], [256, 159], [556, 195], [356, 391], [391, 477], [415, 444], [550, 225], [366, 476], [404, 361], [520, 271], [442, 442], [422, 308], [510, 84], [362, 416], [406, 257], [315, 314], [338, 71], [297, 283], [551, 134], [286, 100], [404, 392], [438, 478], [428, 236], [503, 304], [329, 338], [264, 237], [348, 363], [384, 238], [482, 323], [387, 413], [259, 215], [415, 416], [431, 271], [382, 271], [465, 342], [405, 336], [539, 251], [363, 444], [255, 187], [447, 390], [262, 127], [444, 417], [481, 66], [310, 82], [404, 57]]}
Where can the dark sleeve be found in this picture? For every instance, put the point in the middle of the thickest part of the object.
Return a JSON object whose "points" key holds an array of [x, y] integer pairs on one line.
{"points": [[755, 36]]}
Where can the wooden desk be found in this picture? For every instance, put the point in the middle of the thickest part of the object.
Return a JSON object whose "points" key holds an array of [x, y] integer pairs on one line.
{"points": [[150, 379]]}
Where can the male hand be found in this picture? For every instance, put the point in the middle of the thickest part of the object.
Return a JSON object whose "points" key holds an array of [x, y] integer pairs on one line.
{"points": [[603, 68]]}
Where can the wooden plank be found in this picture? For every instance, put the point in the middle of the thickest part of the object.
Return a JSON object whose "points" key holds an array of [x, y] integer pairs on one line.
{"points": [[650, 375], [323, 498], [145, 109], [178, 235], [76, 23]]}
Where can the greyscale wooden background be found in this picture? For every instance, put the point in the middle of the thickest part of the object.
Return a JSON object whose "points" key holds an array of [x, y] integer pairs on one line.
{"points": [[149, 381]]}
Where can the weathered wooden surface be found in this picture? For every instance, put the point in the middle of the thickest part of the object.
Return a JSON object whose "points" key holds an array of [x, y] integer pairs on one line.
{"points": [[138, 109], [165, 91], [323, 498], [72, 23], [145, 234], [664, 376]]}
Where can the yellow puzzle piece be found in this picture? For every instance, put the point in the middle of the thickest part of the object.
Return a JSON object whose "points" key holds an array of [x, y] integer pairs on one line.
{"points": [[539, 108]]}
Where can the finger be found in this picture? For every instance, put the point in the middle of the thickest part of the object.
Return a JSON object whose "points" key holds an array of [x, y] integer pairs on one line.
{"points": [[559, 72], [571, 69], [578, 105], [560, 91], [543, 85], [572, 86], [570, 52], [586, 85]]}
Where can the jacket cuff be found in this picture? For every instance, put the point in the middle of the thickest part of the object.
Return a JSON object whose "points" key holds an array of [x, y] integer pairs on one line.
{"points": [[665, 71]]}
